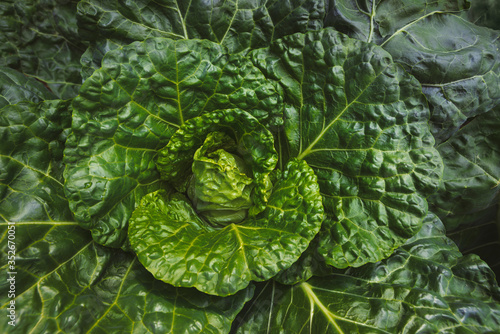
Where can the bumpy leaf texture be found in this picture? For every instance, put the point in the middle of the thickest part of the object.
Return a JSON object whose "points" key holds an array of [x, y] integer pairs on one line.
{"points": [[255, 145], [16, 87], [456, 62], [361, 123], [40, 39], [236, 24], [32, 140], [425, 286], [179, 248], [129, 109]]}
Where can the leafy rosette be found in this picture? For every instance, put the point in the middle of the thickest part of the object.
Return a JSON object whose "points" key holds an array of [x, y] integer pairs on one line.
{"points": [[231, 219], [253, 153], [130, 107]]}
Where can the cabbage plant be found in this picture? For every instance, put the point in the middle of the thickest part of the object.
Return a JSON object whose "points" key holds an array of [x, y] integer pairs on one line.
{"points": [[249, 167]]}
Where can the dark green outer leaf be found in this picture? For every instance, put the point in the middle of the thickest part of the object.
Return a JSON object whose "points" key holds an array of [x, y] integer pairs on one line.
{"points": [[129, 109], [65, 283], [433, 40], [456, 62], [471, 178], [16, 87], [481, 237], [426, 286], [362, 124], [485, 13], [179, 248], [40, 39], [375, 21], [236, 24], [32, 140], [92, 57], [458, 65]]}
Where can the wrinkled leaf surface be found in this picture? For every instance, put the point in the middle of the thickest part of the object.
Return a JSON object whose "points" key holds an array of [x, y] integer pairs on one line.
{"points": [[40, 39], [32, 140], [66, 283]]}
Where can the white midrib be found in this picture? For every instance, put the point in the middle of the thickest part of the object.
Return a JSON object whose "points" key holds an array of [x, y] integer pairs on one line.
{"points": [[400, 30], [183, 20], [316, 302], [58, 223], [372, 18], [33, 169], [118, 294], [304, 153]]}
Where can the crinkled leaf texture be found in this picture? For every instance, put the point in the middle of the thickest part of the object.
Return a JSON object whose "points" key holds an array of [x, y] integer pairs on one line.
{"points": [[178, 247], [40, 39], [458, 65], [253, 143], [64, 282], [456, 62], [235, 24], [16, 87], [361, 123], [129, 109], [426, 286], [32, 140]]}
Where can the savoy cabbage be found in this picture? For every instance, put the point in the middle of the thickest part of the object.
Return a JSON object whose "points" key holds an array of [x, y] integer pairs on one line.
{"points": [[249, 166]]}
